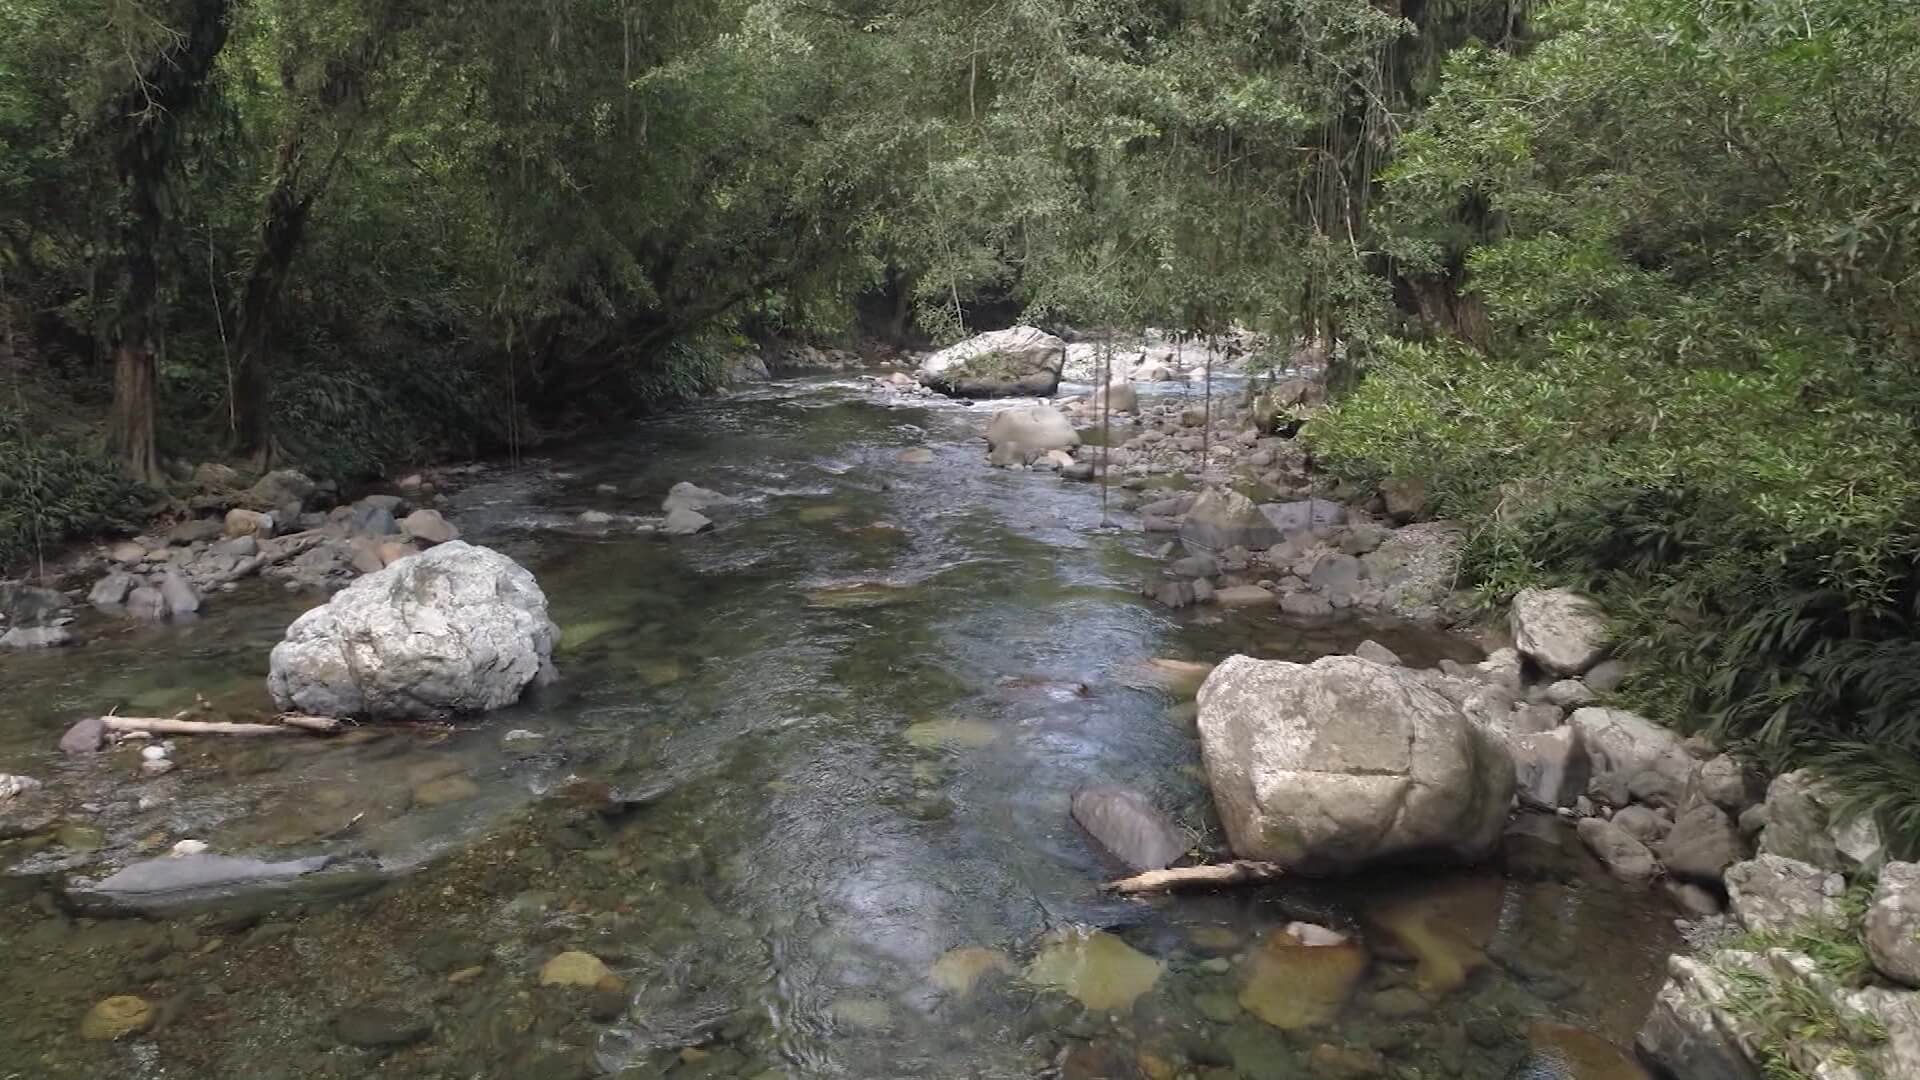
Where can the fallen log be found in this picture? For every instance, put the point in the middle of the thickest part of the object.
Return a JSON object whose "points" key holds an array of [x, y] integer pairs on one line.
{"points": [[175, 725], [1183, 878]]}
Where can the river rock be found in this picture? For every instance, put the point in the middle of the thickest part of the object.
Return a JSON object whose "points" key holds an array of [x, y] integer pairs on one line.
{"points": [[682, 521], [241, 522], [1550, 767], [1731, 786], [1417, 569], [428, 527], [117, 1018], [1570, 694], [1560, 630], [86, 736], [1291, 517], [1624, 857], [1032, 430], [1016, 362], [1683, 1033], [1118, 395], [1644, 823], [1245, 596], [686, 496], [1704, 841], [577, 969], [180, 597], [147, 603], [280, 489], [111, 591], [1377, 653], [1329, 766], [1222, 518], [196, 531], [1772, 894], [455, 629], [1620, 744], [174, 880], [1892, 927], [371, 519], [1405, 496], [1127, 824], [1800, 825]]}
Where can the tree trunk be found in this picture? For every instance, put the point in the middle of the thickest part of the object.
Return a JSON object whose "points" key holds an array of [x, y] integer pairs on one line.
{"points": [[130, 427], [281, 229]]}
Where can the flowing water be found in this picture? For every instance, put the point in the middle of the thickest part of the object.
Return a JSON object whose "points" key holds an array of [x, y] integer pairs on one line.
{"points": [[803, 786]]}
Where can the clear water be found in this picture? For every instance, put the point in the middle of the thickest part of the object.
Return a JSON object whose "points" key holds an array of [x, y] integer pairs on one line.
{"points": [[790, 765]]}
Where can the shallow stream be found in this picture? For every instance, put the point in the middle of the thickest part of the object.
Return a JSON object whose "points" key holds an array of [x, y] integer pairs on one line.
{"points": [[803, 786]]}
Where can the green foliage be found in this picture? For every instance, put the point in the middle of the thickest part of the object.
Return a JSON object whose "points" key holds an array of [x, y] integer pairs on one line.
{"points": [[54, 485], [1693, 228]]}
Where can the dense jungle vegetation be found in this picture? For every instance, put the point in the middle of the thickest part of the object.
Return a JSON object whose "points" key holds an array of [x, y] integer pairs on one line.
{"points": [[1629, 282]]}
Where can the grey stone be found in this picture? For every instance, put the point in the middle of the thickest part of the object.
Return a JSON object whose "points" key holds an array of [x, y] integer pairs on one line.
{"points": [[682, 521], [1378, 653], [148, 603], [181, 599], [111, 591], [1606, 676], [380, 1027], [1534, 719], [86, 736], [1621, 744], [1417, 570], [428, 527], [1195, 566], [1329, 766], [1335, 571], [176, 880], [1303, 514], [1684, 1034], [455, 629], [1558, 629], [1647, 825], [1222, 518], [1690, 898], [375, 521], [1306, 605], [197, 531], [1624, 857], [1127, 824], [239, 547], [1551, 767], [1653, 787], [1772, 894], [685, 496], [1703, 842], [1892, 927], [282, 488], [1033, 429], [1570, 694], [1800, 825], [1729, 785]]}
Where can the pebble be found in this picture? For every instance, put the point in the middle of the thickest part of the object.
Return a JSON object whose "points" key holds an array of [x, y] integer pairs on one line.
{"points": [[117, 1018], [579, 969]]}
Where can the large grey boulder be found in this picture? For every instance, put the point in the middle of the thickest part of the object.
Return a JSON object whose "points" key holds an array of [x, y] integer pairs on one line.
{"points": [[1222, 518], [1558, 629], [1032, 430], [1690, 1031], [1621, 745], [1550, 766], [1417, 569], [1017, 362], [1334, 765], [1804, 823], [1624, 857], [455, 629], [1892, 928], [1704, 841]]}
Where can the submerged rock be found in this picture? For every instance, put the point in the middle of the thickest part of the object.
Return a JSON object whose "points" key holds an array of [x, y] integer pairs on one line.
{"points": [[958, 970], [1331, 766], [686, 496], [1093, 967], [456, 629], [1127, 824], [1019, 361], [174, 880], [117, 1018], [1293, 984]]}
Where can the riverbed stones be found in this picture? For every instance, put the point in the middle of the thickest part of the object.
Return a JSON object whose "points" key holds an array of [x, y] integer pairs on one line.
{"points": [[1222, 518], [179, 596], [1570, 694], [1293, 984], [175, 880], [283, 490], [1731, 786], [1374, 652], [1031, 431], [117, 1017], [957, 971], [457, 629], [1550, 767], [1562, 631], [86, 736], [1245, 596], [1624, 857], [1644, 823], [428, 527], [1331, 766], [376, 1027], [1127, 824], [111, 591], [1800, 824], [1892, 926], [1015, 362], [243, 522], [1684, 1032], [1704, 841], [1771, 894], [1621, 744], [1094, 968], [580, 970]]}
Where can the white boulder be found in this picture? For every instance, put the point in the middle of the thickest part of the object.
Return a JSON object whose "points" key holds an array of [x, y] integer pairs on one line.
{"points": [[1016, 362], [1558, 629], [456, 629], [1334, 765]]}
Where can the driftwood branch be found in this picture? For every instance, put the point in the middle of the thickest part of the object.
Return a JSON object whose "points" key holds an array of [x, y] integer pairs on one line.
{"points": [[175, 725], [1217, 876]]}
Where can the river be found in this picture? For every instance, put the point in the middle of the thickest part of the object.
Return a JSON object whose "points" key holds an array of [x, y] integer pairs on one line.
{"points": [[790, 766]]}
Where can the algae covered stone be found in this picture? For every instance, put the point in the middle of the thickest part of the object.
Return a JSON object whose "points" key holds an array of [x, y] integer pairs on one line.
{"points": [[1093, 967]]}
